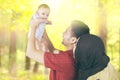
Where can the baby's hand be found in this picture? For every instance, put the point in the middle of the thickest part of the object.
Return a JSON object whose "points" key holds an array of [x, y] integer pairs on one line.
{"points": [[45, 21], [49, 23]]}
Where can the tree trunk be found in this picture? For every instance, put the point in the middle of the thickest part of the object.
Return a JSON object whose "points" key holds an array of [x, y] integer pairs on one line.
{"points": [[36, 66], [12, 52], [102, 24], [27, 64], [0, 57], [2, 44], [119, 49]]}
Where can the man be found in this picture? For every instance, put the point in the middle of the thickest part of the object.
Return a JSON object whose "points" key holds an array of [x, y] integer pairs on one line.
{"points": [[61, 63]]}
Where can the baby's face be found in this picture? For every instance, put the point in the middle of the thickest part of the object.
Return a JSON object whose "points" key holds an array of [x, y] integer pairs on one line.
{"points": [[43, 12]]}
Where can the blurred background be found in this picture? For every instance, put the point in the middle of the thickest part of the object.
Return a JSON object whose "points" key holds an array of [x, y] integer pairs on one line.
{"points": [[102, 16]]}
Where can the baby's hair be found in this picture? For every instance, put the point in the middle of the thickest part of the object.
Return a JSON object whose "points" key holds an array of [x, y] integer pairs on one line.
{"points": [[44, 6]]}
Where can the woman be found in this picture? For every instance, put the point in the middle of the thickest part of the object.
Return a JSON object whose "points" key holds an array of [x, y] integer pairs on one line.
{"points": [[92, 63]]}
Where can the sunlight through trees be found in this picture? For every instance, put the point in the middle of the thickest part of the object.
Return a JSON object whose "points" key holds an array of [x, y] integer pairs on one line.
{"points": [[102, 16]]}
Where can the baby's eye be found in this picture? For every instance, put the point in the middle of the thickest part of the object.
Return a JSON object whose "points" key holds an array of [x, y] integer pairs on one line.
{"points": [[47, 15], [43, 13]]}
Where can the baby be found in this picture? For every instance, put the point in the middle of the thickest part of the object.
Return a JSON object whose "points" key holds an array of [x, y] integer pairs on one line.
{"points": [[42, 13]]}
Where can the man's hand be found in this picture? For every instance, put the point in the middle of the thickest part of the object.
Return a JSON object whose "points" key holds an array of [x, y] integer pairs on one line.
{"points": [[34, 23]]}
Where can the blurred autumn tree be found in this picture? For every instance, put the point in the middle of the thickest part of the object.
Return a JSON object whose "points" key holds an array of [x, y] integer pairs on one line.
{"points": [[14, 17]]}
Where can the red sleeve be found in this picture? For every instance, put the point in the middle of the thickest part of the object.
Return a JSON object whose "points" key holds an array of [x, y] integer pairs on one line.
{"points": [[59, 62]]}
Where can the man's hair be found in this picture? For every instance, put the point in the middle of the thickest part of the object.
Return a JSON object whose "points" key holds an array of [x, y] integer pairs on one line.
{"points": [[79, 28], [44, 6]]}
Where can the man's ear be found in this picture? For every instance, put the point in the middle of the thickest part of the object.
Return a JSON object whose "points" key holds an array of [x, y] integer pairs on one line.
{"points": [[73, 40]]}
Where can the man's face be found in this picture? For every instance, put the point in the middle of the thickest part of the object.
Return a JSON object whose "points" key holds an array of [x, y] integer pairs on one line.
{"points": [[68, 37], [43, 12]]}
